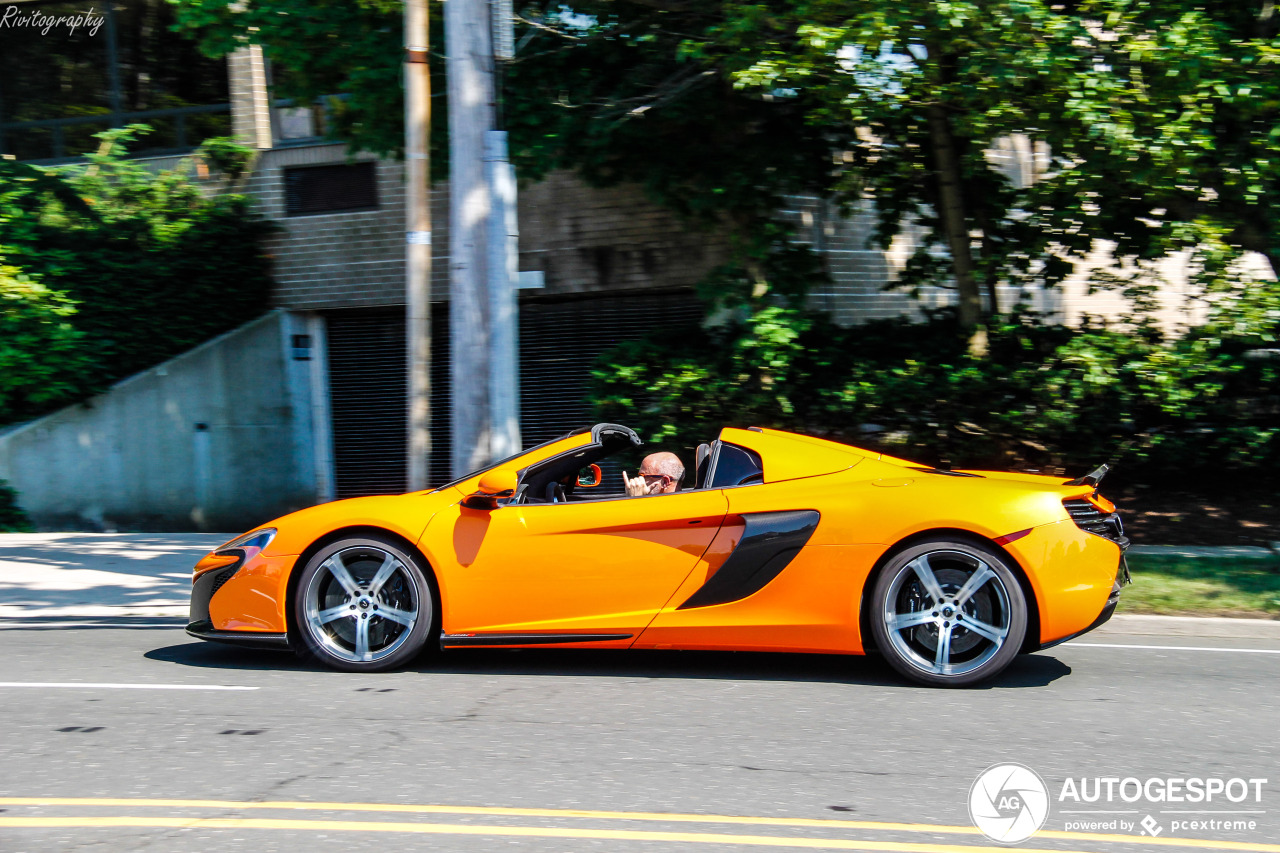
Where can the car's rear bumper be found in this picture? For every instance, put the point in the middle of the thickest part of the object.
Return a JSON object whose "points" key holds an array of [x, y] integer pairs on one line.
{"points": [[1103, 617], [1075, 576]]}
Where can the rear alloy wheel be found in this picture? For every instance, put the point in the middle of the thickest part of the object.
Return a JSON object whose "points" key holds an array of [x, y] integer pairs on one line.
{"points": [[948, 614], [364, 605]]}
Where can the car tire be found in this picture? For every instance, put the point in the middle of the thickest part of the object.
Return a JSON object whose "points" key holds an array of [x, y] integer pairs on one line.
{"points": [[364, 604], [948, 612]]}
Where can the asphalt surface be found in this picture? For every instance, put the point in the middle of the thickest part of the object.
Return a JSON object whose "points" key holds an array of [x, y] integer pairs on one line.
{"points": [[117, 735]]}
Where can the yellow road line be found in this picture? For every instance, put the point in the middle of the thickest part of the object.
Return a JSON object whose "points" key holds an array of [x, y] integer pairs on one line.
{"points": [[501, 831], [499, 811]]}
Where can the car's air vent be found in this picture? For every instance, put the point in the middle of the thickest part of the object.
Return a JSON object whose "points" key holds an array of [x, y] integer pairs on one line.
{"points": [[1093, 520], [222, 577]]}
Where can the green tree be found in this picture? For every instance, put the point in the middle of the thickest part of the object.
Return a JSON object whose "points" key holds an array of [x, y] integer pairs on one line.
{"points": [[345, 55], [139, 265], [929, 89], [42, 355], [12, 518], [1182, 100]]}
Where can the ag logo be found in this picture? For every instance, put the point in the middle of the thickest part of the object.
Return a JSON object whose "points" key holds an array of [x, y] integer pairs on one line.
{"points": [[1008, 803]]}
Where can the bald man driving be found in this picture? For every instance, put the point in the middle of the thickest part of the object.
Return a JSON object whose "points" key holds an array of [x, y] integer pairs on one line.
{"points": [[660, 474]]}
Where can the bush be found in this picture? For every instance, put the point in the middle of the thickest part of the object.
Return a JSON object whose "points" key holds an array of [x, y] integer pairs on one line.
{"points": [[1044, 397], [150, 263], [42, 355], [12, 518]]}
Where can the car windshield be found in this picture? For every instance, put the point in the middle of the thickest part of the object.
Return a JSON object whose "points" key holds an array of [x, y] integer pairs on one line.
{"points": [[501, 462]]}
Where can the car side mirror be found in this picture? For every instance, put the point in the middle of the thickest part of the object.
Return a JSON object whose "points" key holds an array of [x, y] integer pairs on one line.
{"points": [[493, 486], [590, 477]]}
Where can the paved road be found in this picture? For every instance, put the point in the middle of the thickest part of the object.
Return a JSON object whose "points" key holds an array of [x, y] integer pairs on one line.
{"points": [[824, 738], [118, 734]]}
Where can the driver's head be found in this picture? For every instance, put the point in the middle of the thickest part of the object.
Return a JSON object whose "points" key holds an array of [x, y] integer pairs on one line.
{"points": [[662, 472]]}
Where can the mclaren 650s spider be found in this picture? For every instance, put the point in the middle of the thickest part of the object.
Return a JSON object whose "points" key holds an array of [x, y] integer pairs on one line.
{"points": [[779, 542]]}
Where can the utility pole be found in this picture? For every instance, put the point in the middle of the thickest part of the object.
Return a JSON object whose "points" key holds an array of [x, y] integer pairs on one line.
{"points": [[417, 256], [482, 307]]}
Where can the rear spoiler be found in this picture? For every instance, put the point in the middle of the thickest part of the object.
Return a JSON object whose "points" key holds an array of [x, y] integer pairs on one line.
{"points": [[1093, 478]]}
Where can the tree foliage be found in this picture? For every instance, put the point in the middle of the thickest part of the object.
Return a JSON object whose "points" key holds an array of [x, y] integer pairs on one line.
{"points": [[1200, 408], [113, 267], [42, 355], [12, 518], [1155, 118], [344, 55], [1154, 121], [1182, 104]]}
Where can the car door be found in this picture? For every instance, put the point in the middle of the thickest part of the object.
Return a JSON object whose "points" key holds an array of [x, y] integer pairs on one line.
{"points": [[603, 567]]}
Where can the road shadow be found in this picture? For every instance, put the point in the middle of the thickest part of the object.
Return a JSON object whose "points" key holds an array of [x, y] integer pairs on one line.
{"points": [[1027, 671], [51, 576]]}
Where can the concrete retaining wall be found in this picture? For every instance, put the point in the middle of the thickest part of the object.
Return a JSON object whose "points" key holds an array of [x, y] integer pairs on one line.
{"points": [[220, 438]]}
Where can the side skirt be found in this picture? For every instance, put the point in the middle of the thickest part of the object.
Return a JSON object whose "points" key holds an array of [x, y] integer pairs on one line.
{"points": [[451, 640]]}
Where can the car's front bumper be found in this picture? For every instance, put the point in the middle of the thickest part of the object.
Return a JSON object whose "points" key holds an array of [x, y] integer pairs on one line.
{"points": [[200, 623], [252, 639]]}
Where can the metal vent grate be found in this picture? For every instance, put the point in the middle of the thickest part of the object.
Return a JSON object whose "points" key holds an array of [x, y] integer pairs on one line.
{"points": [[222, 577], [344, 188], [560, 341], [368, 399], [1089, 518]]}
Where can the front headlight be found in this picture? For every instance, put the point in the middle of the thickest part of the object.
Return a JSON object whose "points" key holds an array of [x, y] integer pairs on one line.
{"points": [[250, 543]]}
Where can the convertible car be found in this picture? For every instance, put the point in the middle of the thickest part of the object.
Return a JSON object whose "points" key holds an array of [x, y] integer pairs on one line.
{"points": [[777, 542]]}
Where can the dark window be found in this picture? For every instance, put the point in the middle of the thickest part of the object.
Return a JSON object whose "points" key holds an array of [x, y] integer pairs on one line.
{"points": [[330, 189], [736, 466]]}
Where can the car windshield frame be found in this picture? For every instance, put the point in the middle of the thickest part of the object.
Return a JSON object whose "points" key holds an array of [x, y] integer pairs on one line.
{"points": [[510, 458]]}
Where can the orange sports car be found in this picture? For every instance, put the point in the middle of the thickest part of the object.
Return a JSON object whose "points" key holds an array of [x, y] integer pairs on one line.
{"points": [[780, 542]]}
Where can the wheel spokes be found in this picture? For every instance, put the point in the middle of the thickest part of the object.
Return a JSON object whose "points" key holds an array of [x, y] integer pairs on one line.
{"points": [[403, 617], [920, 565], [982, 629], [974, 583], [363, 582], [964, 626], [903, 621], [324, 617], [339, 571], [389, 565], [362, 639], [942, 657]]}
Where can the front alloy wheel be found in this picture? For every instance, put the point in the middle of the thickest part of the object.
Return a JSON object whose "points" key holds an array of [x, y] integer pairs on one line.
{"points": [[948, 614], [364, 605]]}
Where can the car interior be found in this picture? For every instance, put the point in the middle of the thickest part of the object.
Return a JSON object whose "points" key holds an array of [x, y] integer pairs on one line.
{"points": [[595, 472]]}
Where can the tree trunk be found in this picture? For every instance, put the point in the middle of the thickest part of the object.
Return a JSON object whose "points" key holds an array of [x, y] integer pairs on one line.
{"points": [[991, 273], [951, 212], [1265, 24]]}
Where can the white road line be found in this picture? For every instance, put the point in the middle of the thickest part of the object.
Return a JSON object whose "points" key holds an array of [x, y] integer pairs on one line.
{"points": [[88, 685], [1173, 648]]}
